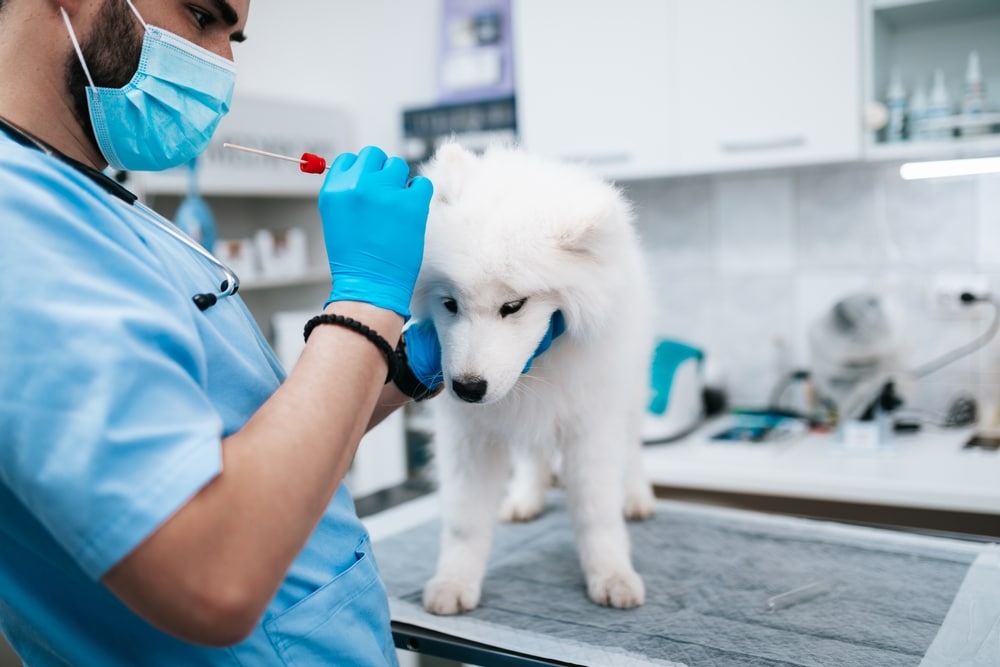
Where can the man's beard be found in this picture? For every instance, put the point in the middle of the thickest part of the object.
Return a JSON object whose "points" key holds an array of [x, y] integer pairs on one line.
{"points": [[111, 51]]}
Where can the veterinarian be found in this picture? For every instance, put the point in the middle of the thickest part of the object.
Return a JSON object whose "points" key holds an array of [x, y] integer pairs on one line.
{"points": [[167, 495]]}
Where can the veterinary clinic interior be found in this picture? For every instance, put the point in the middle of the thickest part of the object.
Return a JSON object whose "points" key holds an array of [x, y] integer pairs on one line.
{"points": [[815, 189]]}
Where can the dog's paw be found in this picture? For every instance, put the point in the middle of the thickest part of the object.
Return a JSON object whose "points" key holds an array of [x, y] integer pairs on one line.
{"points": [[640, 503], [521, 508], [622, 589], [447, 597]]}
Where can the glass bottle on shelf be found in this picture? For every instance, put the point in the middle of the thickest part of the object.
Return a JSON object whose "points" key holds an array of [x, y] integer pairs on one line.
{"points": [[918, 113], [895, 102], [939, 108], [973, 97]]}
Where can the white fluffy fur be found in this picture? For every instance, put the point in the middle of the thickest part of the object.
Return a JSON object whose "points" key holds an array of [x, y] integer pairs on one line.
{"points": [[507, 226]]}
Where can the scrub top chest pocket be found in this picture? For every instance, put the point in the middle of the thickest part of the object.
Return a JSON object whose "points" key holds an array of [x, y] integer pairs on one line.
{"points": [[342, 613]]}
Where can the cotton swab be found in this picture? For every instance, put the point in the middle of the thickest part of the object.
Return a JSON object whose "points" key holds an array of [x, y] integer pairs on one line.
{"points": [[309, 163]]}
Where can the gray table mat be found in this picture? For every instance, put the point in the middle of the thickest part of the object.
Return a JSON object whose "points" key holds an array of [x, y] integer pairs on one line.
{"points": [[708, 573]]}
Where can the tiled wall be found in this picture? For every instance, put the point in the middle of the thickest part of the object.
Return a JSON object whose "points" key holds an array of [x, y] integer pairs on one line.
{"points": [[743, 263]]}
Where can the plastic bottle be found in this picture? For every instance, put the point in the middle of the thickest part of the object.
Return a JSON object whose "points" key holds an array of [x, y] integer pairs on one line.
{"points": [[193, 215], [973, 95], [939, 107], [918, 113], [895, 102]]}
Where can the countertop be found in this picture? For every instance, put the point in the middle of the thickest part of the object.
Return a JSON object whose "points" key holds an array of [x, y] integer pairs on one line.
{"points": [[928, 470]]}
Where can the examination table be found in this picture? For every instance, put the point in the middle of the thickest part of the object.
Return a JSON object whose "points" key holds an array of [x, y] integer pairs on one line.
{"points": [[724, 587]]}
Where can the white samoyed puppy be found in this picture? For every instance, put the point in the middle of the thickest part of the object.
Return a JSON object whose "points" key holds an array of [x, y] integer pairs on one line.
{"points": [[512, 239]]}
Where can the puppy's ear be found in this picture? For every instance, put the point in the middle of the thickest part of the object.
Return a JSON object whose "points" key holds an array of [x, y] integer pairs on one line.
{"points": [[596, 230], [447, 170], [586, 238]]}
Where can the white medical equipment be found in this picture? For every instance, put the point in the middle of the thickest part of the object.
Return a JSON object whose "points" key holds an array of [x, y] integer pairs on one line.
{"points": [[676, 406], [856, 352]]}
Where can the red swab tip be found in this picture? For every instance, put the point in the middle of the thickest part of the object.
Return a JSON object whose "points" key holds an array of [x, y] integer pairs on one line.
{"points": [[312, 164]]}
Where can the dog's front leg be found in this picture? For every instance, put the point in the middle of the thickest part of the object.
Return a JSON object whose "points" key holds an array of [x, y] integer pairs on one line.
{"points": [[472, 477], [526, 492], [594, 469], [640, 502]]}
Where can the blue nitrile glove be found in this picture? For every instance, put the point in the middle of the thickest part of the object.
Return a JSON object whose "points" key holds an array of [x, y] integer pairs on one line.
{"points": [[557, 325], [373, 226], [423, 353]]}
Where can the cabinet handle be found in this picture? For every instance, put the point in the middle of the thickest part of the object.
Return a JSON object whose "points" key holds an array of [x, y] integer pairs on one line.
{"points": [[599, 159], [763, 144]]}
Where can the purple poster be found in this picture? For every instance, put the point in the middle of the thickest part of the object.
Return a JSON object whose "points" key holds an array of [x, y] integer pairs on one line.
{"points": [[476, 58]]}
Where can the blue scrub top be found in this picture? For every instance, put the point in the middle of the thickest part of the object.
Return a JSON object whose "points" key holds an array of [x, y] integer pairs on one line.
{"points": [[115, 394]]}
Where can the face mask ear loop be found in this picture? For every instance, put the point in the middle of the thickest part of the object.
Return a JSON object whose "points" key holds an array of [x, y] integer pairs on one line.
{"points": [[76, 45], [136, 12]]}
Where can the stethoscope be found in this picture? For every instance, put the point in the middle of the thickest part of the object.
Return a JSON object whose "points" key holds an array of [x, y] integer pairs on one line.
{"points": [[203, 300]]}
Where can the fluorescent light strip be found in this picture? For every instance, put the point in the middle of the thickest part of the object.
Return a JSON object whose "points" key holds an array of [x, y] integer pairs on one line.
{"points": [[945, 168]]}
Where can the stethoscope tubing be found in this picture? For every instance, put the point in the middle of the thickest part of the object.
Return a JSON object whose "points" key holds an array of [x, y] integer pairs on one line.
{"points": [[204, 300]]}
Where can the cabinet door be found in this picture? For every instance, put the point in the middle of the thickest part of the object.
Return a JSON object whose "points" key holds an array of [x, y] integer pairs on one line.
{"points": [[594, 82], [767, 82]]}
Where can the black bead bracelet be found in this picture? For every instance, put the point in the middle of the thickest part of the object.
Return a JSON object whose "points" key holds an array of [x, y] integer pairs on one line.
{"points": [[381, 343]]}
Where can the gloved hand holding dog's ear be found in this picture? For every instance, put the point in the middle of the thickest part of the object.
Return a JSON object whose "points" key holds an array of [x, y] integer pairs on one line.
{"points": [[557, 325], [421, 350], [374, 218], [420, 376]]}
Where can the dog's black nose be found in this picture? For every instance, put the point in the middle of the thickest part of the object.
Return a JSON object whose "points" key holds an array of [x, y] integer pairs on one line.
{"points": [[472, 389]]}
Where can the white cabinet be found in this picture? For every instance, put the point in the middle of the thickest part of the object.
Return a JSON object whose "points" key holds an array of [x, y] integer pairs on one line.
{"points": [[594, 82], [767, 82], [928, 44], [643, 88]]}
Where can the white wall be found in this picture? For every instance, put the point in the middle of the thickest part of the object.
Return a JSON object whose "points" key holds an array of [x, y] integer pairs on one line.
{"points": [[370, 57], [743, 263]]}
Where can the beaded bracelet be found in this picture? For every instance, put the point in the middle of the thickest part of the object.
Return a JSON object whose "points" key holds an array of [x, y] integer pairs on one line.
{"points": [[381, 343]]}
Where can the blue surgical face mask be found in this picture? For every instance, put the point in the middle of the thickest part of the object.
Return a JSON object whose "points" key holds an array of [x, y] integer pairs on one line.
{"points": [[167, 113]]}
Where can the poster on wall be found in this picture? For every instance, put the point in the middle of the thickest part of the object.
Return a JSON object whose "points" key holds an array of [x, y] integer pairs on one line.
{"points": [[476, 57]]}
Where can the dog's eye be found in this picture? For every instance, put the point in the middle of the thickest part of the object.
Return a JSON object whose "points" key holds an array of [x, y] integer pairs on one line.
{"points": [[511, 307], [450, 305]]}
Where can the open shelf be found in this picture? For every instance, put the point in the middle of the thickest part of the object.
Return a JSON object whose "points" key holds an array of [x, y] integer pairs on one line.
{"points": [[918, 37], [901, 13], [312, 277], [986, 146]]}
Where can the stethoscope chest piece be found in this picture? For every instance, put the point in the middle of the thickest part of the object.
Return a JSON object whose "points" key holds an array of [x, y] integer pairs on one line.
{"points": [[206, 300]]}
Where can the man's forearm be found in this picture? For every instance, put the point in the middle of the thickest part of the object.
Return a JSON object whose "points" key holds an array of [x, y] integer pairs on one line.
{"points": [[207, 573]]}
